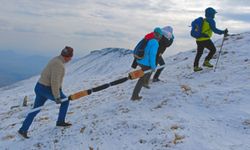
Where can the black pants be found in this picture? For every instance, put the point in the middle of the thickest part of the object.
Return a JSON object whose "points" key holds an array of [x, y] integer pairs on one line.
{"points": [[141, 81], [161, 62], [200, 48]]}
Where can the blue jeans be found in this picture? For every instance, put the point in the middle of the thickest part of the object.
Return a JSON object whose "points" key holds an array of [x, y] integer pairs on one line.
{"points": [[42, 94]]}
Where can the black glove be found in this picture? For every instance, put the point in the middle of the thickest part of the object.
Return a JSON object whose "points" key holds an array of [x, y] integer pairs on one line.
{"points": [[226, 33], [134, 64], [69, 98], [58, 100]]}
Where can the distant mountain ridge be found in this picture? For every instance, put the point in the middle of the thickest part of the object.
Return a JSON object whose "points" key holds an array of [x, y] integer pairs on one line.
{"points": [[16, 66]]}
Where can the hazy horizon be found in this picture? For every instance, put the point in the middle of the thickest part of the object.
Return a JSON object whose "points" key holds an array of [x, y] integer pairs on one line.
{"points": [[16, 66]]}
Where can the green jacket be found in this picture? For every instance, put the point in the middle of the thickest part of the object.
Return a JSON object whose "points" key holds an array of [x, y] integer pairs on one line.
{"points": [[208, 27], [205, 30]]}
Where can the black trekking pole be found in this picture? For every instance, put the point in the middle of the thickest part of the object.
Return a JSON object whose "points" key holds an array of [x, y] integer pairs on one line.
{"points": [[220, 51]]}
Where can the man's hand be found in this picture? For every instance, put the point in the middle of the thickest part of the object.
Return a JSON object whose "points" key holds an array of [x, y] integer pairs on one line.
{"points": [[69, 98]]}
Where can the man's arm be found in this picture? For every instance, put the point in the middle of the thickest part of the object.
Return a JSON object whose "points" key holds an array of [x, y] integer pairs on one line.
{"points": [[213, 26], [56, 79]]}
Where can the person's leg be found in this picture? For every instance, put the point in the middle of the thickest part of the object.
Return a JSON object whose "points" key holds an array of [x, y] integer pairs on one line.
{"points": [[137, 88], [212, 49], [139, 84], [63, 109], [200, 48], [39, 101], [146, 80], [158, 72], [47, 92]]}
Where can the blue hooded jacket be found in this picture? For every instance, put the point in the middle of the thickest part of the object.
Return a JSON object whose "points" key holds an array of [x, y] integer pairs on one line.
{"points": [[210, 13], [149, 58], [209, 25], [213, 26]]}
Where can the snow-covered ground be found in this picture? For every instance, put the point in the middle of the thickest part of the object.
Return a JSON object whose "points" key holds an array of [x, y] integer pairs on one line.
{"points": [[186, 111]]}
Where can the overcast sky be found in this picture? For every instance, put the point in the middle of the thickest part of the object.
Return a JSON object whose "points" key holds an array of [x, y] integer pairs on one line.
{"points": [[46, 26]]}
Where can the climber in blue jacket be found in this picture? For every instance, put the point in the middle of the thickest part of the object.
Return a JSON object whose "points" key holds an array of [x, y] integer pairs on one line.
{"points": [[146, 63]]}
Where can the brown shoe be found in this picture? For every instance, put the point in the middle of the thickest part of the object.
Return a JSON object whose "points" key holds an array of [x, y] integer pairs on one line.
{"points": [[136, 98]]}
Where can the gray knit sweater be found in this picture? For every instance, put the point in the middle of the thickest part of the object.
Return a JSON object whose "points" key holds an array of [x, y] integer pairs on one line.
{"points": [[53, 74]]}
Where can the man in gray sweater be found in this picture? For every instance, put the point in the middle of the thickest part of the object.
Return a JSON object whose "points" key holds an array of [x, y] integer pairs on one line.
{"points": [[49, 86]]}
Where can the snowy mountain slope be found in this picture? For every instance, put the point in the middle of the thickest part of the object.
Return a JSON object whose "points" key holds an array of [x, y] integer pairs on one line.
{"points": [[187, 111]]}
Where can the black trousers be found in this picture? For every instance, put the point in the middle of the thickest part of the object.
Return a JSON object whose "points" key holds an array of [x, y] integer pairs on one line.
{"points": [[134, 64], [161, 62], [200, 48]]}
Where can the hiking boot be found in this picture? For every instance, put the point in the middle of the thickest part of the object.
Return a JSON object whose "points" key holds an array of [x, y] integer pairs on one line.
{"points": [[207, 64], [63, 124], [136, 98], [156, 80], [23, 134], [197, 69]]}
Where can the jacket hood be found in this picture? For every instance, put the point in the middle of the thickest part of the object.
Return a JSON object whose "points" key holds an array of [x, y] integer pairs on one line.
{"points": [[210, 12]]}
